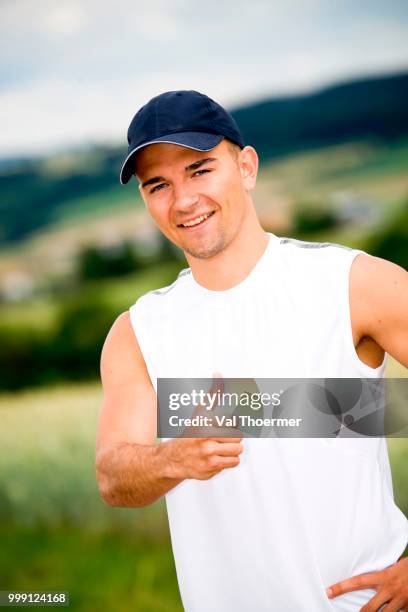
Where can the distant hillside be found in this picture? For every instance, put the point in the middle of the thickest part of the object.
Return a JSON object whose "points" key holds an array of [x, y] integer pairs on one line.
{"points": [[31, 194], [42, 192], [373, 108]]}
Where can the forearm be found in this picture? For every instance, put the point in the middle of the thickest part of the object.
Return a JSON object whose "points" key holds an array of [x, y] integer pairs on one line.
{"points": [[134, 475]]}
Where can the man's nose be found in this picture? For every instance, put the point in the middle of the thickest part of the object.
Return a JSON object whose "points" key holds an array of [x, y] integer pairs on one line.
{"points": [[184, 196]]}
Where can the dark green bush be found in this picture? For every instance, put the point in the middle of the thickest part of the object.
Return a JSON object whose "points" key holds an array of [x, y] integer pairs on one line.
{"points": [[309, 218], [391, 240], [81, 329], [71, 351], [21, 356], [95, 262]]}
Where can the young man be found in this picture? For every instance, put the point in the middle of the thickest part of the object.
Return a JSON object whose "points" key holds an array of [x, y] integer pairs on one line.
{"points": [[256, 524]]}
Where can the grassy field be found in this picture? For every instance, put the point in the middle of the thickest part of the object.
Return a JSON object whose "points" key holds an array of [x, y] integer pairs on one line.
{"points": [[112, 570], [56, 533]]}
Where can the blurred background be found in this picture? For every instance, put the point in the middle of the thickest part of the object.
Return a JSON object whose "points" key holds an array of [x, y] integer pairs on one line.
{"points": [[319, 88]]}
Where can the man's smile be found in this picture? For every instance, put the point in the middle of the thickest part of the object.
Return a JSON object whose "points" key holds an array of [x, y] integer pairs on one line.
{"points": [[196, 221]]}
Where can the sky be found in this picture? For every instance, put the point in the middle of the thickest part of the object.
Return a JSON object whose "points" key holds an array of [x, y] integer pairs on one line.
{"points": [[74, 72]]}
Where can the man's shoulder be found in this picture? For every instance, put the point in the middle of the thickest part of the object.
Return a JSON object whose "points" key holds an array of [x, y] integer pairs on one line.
{"points": [[177, 283], [313, 247], [316, 258], [165, 293], [372, 277]]}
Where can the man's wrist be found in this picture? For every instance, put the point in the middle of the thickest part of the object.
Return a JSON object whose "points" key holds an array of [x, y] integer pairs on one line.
{"points": [[167, 468]]}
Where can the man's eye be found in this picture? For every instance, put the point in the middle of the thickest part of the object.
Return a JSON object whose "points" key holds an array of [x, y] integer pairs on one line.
{"points": [[157, 187], [198, 171]]}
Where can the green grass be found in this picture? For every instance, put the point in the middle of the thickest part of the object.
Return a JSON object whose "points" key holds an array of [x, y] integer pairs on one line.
{"points": [[398, 454], [110, 201], [38, 313], [110, 571], [56, 532], [47, 473]]}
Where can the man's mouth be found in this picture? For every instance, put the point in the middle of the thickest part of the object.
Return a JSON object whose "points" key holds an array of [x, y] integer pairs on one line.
{"points": [[196, 221]]}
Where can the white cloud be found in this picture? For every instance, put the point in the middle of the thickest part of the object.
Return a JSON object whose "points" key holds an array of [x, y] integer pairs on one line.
{"points": [[77, 70], [64, 19]]}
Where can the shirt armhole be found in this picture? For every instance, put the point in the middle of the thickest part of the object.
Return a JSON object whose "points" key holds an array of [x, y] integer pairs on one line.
{"points": [[366, 370]]}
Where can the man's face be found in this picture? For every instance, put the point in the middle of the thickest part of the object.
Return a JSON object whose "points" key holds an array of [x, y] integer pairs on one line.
{"points": [[179, 185]]}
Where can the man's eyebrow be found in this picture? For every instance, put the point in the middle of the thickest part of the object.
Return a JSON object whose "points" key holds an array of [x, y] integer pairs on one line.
{"points": [[200, 162], [155, 179], [193, 166]]}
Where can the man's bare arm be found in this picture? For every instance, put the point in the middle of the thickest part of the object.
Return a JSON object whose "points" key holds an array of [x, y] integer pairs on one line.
{"points": [[129, 466], [379, 304], [132, 469]]}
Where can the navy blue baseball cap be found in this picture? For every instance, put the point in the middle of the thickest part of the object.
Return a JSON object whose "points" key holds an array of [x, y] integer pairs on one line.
{"points": [[186, 117]]}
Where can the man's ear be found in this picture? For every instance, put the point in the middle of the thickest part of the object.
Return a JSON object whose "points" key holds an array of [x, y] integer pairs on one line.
{"points": [[248, 164]]}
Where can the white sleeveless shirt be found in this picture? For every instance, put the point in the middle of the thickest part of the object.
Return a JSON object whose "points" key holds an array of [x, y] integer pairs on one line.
{"points": [[296, 515]]}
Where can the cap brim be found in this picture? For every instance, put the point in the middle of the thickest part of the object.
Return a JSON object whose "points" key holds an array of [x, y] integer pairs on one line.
{"points": [[199, 141]]}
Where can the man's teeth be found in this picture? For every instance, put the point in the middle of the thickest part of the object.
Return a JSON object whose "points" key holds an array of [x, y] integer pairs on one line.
{"points": [[195, 221]]}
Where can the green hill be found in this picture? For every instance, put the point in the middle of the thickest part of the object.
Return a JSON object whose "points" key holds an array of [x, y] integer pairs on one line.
{"points": [[371, 108], [45, 192]]}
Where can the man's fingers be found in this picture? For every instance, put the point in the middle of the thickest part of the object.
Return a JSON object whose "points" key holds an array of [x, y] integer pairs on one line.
{"points": [[225, 449], [230, 462], [214, 431], [217, 386], [218, 382], [225, 439], [376, 602], [362, 581], [221, 433], [217, 463]]}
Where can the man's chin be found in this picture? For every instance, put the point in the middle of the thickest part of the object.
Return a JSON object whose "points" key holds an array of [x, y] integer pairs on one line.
{"points": [[205, 250]]}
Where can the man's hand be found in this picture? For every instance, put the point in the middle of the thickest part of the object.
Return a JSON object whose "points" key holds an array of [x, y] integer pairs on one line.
{"points": [[204, 410], [391, 584], [199, 457]]}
